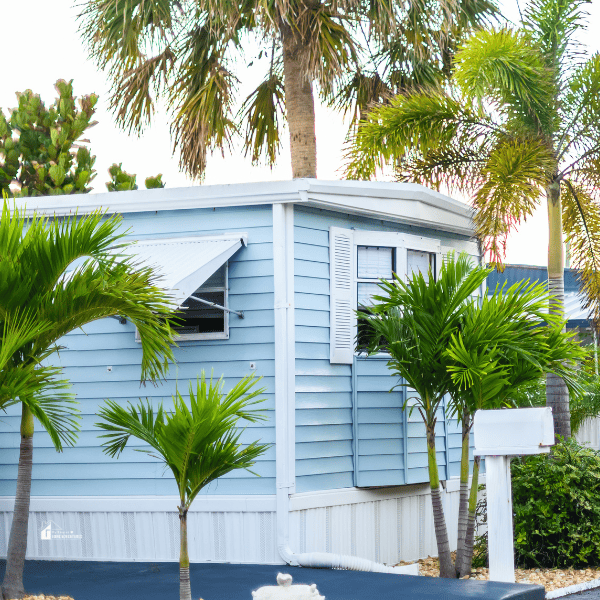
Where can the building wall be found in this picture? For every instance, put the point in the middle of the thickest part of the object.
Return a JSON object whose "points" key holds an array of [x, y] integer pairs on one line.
{"points": [[386, 445], [85, 470]]}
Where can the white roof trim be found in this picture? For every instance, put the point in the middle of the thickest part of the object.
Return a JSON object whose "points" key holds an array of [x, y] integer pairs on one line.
{"points": [[184, 264], [399, 202]]}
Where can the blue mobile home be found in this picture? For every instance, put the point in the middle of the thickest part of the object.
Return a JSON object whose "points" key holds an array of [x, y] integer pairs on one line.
{"points": [[290, 261]]}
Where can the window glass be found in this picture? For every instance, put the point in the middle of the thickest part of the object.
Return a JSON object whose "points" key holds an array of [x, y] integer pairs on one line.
{"points": [[197, 317], [419, 262], [366, 291], [375, 263]]}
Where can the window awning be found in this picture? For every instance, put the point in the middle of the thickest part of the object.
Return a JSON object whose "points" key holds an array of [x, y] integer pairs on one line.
{"points": [[184, 264]]}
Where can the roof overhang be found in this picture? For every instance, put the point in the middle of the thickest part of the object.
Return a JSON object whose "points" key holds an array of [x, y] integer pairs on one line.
{"points": [[184, 264], [407, 203]]}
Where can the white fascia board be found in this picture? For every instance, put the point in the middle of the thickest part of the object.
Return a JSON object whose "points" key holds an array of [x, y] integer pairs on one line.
{"points": [[419, 210], [397, 202], [202, 503], [165, 199]]}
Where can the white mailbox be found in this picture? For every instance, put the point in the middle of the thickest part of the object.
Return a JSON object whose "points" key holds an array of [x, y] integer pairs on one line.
{"points": [[513, 432], [500, 434]]}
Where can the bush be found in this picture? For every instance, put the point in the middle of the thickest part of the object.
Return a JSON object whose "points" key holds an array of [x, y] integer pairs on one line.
{"points": [[556, 502]]}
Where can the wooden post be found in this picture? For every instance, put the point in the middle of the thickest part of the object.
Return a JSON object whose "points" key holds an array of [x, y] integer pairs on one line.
{"points": [[500, 519]]}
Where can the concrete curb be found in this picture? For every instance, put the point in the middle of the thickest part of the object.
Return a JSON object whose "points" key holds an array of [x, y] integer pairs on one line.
{"points": [[573, 589]]}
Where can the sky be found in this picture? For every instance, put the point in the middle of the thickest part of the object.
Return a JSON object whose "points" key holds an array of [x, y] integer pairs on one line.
{"points": [[50, 48]]}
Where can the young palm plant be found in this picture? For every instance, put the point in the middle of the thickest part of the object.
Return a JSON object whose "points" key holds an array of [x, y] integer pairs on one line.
{"points": [[187, 54], [443, 339], [519, 121], [506, 342], [40, 305], [198, 444], [414, 322]]}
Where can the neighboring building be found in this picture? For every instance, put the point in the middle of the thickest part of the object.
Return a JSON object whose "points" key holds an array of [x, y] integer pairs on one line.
{"points": [[575, 313], [348, 463]]}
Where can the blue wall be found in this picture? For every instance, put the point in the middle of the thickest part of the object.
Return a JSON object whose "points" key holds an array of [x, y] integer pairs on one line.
{"points": [[85, 469], [330, 397]]}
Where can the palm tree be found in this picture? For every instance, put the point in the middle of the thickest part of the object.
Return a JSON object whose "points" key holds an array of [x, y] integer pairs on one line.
{"points": [[186, 53], [495, 354], [414, 322], [519, 120], [41, 304], [442, 339], [198, 444]]}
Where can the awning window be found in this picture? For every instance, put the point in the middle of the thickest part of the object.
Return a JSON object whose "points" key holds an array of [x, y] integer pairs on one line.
{"points": [[185, 264]]}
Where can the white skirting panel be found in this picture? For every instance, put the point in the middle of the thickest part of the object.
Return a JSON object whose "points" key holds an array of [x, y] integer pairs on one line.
{"points": [[385, 525], [589, 433], [225, 529]]}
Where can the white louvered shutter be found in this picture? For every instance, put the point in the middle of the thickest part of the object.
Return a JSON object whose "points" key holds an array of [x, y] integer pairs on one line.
{"points": [[341, 298]]}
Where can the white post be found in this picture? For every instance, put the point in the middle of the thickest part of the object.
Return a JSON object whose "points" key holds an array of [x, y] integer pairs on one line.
{"points": [[500, 519]]}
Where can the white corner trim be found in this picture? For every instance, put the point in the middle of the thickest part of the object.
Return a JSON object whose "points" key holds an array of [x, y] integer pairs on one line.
{"points": [[118, 504], [573, 589]]}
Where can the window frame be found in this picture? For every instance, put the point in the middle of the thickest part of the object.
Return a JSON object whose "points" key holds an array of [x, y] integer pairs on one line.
{"points": [[212, 335], [402, 243]]}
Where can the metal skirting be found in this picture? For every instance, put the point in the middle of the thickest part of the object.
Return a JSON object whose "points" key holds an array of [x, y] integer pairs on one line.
{"points": [[395, 525], [387, 530], [589, 433]]}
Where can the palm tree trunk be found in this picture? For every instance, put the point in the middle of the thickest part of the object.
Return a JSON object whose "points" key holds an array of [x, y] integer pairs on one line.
{"points": [[12, 586], [185, 591], [557, 394], [463, 503], [299, 104], [464, 568], [439, 521]]}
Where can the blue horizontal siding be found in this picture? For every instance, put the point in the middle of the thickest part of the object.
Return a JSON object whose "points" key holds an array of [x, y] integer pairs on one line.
{"points": [[325, 413], [85, 469]]}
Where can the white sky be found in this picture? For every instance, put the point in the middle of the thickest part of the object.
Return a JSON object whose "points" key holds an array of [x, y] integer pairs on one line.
{"points": [[45, 46]]}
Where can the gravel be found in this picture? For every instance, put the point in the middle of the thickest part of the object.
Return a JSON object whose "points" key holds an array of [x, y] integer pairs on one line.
{"points": [[551, 579]]}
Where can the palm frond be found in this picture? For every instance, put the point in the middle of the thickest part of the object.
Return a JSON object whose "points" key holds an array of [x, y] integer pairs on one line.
{"points": [[134, 91], [414, 125], [511, 185], [202, 98], [506, 68], [263, 112], [198, 440], [581, 224], [554, 26]]}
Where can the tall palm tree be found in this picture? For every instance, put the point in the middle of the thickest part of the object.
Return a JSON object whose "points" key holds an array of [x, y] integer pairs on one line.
{"points": [[519, 121], [442, 339], [187, 53], [198, 444], [41, 304]]}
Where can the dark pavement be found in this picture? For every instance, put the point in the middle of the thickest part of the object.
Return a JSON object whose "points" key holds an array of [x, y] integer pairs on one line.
{"points": [[86, 580]]}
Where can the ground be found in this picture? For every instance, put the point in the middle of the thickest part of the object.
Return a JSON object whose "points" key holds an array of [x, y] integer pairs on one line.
{"points": [[87, 580]]}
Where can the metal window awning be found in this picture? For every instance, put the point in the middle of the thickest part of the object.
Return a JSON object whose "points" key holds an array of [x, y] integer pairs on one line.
{"points": [[184, 264]]}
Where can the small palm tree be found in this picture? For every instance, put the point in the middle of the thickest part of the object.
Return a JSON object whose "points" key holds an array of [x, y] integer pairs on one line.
{"points": [[189, 54], [442, 339], [520, 121], [198, 444], [497, 352], [414, 322], [41, 304]]}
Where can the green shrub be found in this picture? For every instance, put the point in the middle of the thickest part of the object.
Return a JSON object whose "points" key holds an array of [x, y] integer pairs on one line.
{"points": [[556, 502]]}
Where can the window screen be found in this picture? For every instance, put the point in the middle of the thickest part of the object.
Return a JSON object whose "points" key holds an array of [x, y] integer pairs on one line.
{"points": [[197, 317], [373, 263], [420, 262]]}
